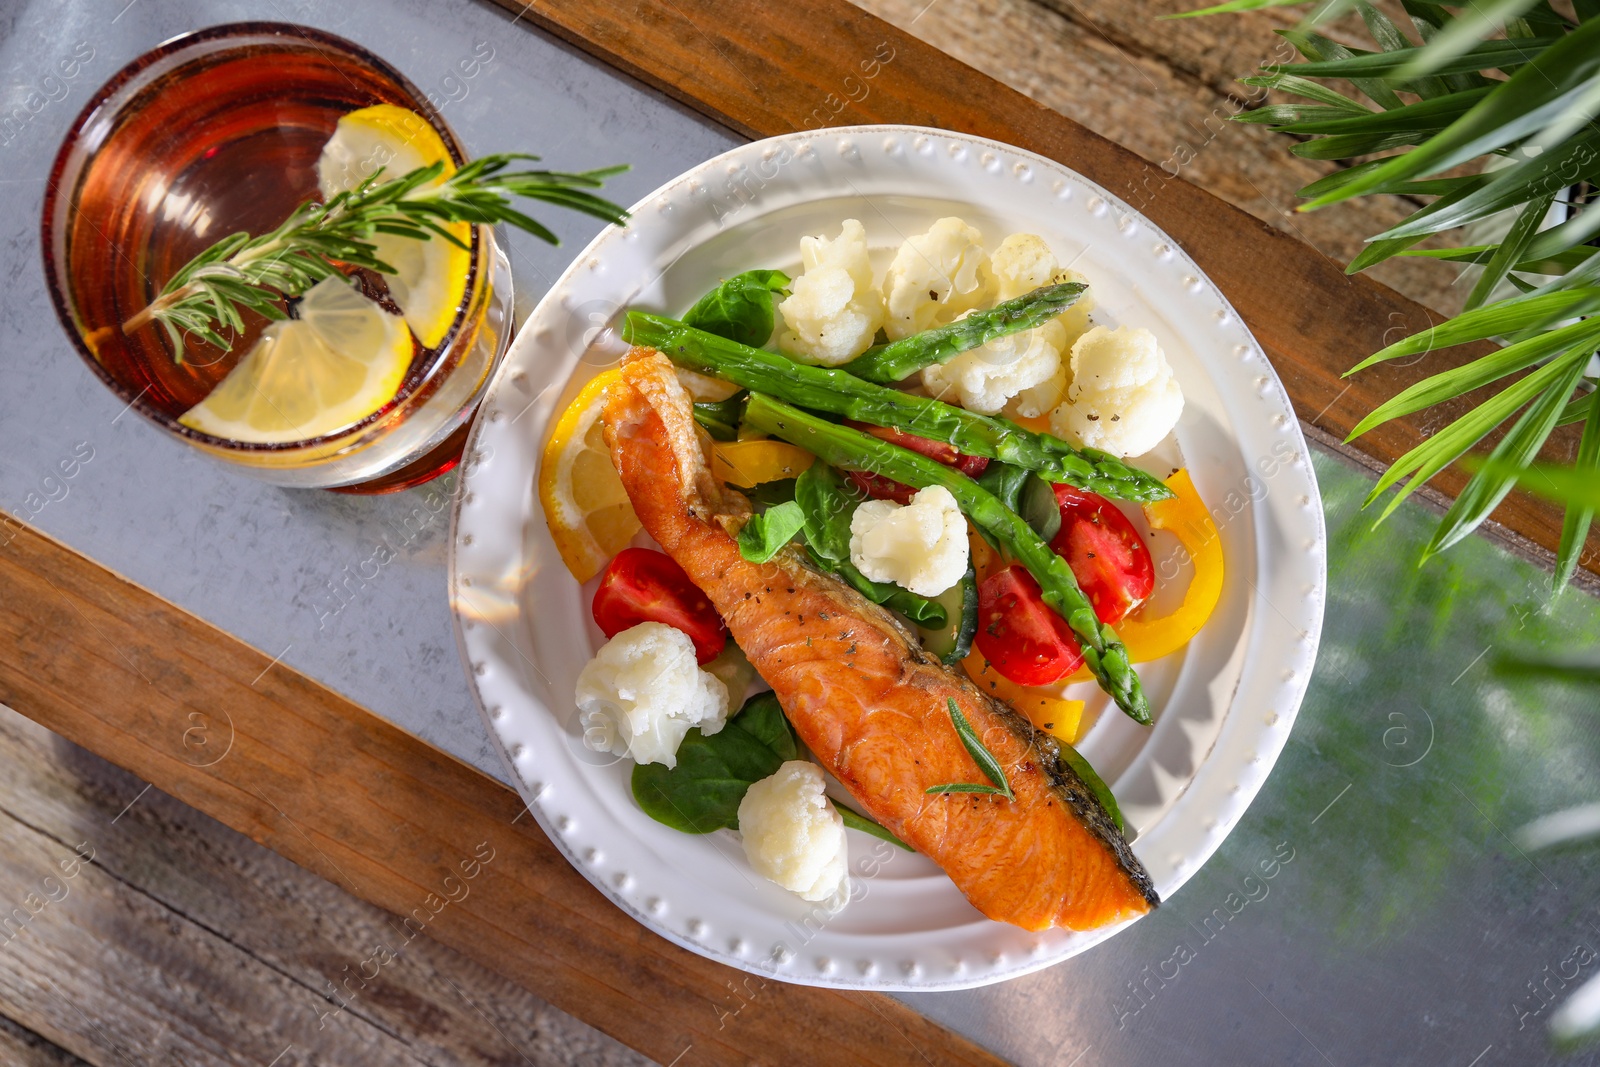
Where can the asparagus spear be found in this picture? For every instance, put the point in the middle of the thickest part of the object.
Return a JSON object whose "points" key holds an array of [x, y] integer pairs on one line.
{"points": [[1103, 653], [827, 504], [898, 360], [835, 391]]}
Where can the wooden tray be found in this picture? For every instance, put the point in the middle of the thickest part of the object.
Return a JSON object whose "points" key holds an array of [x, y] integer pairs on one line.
{"points": [[120, 671]]}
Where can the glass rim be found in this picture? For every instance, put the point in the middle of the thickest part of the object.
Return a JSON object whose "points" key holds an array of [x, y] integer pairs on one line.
{"points": [[291, 35]]}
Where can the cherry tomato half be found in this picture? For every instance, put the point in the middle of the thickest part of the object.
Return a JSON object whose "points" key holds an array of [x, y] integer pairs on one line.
{"points": [[1105, 552], [641, 585], [1019, 634], [880, 488]]}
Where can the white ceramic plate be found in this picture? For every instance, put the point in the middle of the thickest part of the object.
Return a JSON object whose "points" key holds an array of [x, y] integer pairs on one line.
{"points": [[1224, 705]]}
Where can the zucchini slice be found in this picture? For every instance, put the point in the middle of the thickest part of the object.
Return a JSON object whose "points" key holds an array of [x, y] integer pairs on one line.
{"points": [[953, 640]]}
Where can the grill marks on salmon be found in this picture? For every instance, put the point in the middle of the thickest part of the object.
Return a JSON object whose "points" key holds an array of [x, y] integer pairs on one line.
{"points": [[870, 705]]}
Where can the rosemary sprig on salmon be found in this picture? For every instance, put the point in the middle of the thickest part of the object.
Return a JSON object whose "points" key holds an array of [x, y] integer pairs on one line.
{"points": [[871, 706], [985, 760]]}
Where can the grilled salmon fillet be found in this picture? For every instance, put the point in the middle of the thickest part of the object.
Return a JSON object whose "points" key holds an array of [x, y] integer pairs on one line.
{"points": [[867, 701]]}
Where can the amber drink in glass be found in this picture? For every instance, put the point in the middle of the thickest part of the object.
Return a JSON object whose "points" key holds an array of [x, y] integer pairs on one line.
{"points": [[216, 132]]}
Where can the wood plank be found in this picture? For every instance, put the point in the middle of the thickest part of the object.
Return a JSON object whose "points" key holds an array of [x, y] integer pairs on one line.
{"points": [[72, 935], [1102, 63], [20, 1047], [398, 823], [771, 69], [273, 937]]}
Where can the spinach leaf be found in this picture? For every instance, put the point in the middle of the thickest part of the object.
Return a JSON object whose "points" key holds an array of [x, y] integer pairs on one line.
{"points": [[857, 821], [721, 418], [1004, 481], [768, 494], [740, 309], [765, 534], [1040, 509], [1025, 493], [762, 718], [702, 793], [827, 502]]}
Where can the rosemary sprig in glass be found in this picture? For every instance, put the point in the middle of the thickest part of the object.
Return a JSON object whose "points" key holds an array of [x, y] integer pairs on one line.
{"points": [[241, 272]]}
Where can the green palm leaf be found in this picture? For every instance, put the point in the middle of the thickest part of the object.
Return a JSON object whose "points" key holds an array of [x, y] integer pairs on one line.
{"points": [[1451, 443], [1537, 94], [1435, 187], [1290, 83], [1490, 55], [1566, 237], [1477, 20], [1320, 49], [1350, 145], [1391, 39], [1577, 411], [1544, 175], [1530, 95], [1379, 250], [1486, 489], [1560, 263], [1511, 249], [1283, 116], [1575, 524], [1427, 116], [1480, 372], [1563, 485], [1231, 7], [1503, 317]]}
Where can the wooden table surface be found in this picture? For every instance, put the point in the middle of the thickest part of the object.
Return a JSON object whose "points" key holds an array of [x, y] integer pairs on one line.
{"points": [[124, 674]]}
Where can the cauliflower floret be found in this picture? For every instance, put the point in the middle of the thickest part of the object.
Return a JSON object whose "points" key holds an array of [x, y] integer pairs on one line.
{"points": [[1025, 365], [933, 278], [1124, 398], [833, 311], [642, 692], [1074, 321], [1038, 399], [1021, 264], [991, 374], [920, 546], [793, 836]]}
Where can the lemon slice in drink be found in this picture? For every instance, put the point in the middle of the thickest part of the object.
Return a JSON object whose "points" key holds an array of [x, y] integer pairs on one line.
{"points": [[343, 358], [584, 503], [431, 276]]}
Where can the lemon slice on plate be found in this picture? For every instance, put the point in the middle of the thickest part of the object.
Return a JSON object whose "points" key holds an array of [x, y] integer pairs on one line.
{"points": [[584, 503], [431, 276], [340, 360]]}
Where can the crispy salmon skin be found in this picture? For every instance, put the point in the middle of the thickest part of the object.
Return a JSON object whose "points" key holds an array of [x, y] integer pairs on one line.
{"points": [[862, 695]]}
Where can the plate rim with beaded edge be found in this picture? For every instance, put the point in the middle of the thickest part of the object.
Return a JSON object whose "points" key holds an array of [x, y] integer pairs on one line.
{"points": [[1224, 704]]}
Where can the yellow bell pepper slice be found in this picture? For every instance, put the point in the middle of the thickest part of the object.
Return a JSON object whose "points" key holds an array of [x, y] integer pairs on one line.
{"points": [[749, 463], [1050, 712], [985, 560], [1186, 517]]}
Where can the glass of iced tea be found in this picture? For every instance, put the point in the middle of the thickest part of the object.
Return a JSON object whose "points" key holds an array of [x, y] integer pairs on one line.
{"points": [[220, 131]]}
